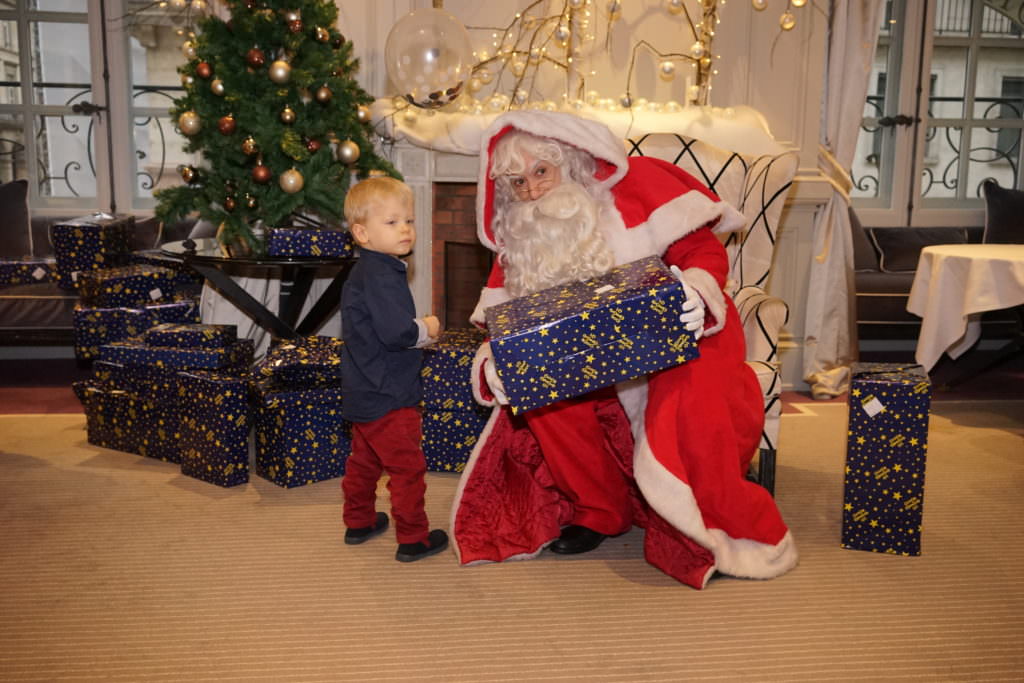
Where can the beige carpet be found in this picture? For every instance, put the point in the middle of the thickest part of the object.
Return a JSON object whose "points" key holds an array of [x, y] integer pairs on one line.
{"points": [[115, 567]]}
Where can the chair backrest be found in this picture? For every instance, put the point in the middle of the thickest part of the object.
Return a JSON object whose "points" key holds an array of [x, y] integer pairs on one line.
{"points": [[755, 185]]}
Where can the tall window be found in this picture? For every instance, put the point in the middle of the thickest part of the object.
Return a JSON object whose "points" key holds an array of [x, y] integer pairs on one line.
{"points": [[83, 106], [925, 149]]}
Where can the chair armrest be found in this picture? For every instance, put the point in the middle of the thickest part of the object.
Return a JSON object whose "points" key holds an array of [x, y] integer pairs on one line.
{"points": [[762, 316]]}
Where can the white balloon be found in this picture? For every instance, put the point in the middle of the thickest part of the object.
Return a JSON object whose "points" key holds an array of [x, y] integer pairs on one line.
{"points": [[428, 57]]}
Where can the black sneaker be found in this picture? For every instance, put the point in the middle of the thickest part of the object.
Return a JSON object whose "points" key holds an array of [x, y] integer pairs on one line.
{"points": [[410, 552], [364, 534]]}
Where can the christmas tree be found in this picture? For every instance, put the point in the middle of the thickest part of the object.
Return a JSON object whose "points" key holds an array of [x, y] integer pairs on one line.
{"points": [[272, 106]]}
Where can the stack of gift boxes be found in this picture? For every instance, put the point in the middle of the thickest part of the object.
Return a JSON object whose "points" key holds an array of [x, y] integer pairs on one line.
{"points": [[300, 435], [179, 393], [452, 419], [121, 294]]}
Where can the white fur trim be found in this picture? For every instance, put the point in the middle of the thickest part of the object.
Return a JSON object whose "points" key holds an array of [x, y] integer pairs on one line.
{"points": [[668, 223], [483, 355], [591, 136], [489, 296], [706, 285], [673, 500], [464, 477]]}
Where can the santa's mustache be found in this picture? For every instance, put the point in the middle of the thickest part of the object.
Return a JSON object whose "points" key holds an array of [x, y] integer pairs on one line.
{"points": [[563, 203]]}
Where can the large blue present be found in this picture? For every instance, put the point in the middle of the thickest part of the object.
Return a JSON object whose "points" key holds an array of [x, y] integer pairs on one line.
{"points": [[122, 420], [184, 335], [300, 436], [448, 368], [309, 242], [125, 286], [184, 277], [305, 362], [94, 327], [90, 242], [134, 351], [27, 272], [574, 338], [883, 494], [215, 424], [450, 435]]}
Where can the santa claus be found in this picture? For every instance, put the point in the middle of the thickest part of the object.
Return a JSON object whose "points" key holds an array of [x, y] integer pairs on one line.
{"points": [[558, 200]]}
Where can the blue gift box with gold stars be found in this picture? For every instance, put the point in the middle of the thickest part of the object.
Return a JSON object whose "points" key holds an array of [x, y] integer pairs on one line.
{"points": [[184, 277], [122, 420], [184, 335], [215, 425], [134, 351], [94, 327], [450, 435], [309, 242], [300, 436], [90, 242], [883, 495], [304, 362], [125, 286], [28, 272], [574, 338]]}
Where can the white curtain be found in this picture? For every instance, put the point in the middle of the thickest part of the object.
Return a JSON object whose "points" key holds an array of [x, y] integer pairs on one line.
{"points": [[830, 325]]}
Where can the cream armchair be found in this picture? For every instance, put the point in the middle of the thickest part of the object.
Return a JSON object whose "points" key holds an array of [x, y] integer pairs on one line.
{"points": [[757, 186]]}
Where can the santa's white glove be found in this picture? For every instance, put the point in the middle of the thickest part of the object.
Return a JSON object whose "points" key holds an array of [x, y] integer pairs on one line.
{"points": [[692, 317], [494, 382]]}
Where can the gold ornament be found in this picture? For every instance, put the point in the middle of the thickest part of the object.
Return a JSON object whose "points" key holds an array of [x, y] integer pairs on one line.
{"points": [[291, 181], [323, 94], [280, 71], [348, 152], [189, 123], [760, 5], [217, 87], [674, 6], [322, 34], [667, 70], [291, 15], [251, 201], [787, 21], [288, 115], [188, 49], [188, 173], [249, 146], [187, 80], [363, 114]]}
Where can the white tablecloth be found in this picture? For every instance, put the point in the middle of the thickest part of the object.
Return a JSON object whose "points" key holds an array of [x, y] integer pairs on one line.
{"points": [[956, 283]]}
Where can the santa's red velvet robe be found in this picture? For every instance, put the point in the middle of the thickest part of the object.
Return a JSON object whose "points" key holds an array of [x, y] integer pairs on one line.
{"points": [[686, 434]]}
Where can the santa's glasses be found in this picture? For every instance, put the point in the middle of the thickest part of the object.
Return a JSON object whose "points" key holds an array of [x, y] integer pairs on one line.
{"points": [[540, 179]]}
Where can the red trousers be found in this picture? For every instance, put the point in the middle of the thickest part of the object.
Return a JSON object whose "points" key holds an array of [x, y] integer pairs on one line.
{"points": [[389, 444], [581, 464]]}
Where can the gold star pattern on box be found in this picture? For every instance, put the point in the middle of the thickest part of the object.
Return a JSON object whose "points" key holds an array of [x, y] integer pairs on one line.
{"points": [[309, 242], [887, 444], [574, 338], [215, 424]]}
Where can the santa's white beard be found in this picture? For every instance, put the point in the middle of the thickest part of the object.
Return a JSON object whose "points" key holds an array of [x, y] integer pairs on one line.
{"points": [[552, 240]]}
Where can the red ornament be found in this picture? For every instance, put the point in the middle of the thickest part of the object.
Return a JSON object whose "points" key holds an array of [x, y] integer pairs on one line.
{"points": [[226, 125], [255, 58], [230, 203], [312, 145], [261, 174], [295, 26], [204, 70]]}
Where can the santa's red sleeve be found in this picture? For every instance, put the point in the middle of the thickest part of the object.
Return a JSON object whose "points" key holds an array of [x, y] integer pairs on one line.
{"points": [[705, 267]]}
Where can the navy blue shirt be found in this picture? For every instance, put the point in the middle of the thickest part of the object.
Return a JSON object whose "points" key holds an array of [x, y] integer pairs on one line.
{"points": [[380, 372]]}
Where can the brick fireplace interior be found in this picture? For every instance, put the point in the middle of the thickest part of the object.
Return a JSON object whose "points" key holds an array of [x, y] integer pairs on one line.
{"points": [[461, 263]]}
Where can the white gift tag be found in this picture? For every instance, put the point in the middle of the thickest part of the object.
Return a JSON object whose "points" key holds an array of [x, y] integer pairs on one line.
{"points": [[74, 276], [604, 288], [39, 273], [155, 293], [873, 406]]}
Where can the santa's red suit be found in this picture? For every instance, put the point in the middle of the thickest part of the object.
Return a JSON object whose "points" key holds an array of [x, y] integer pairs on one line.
{"points": [[685, 435]]}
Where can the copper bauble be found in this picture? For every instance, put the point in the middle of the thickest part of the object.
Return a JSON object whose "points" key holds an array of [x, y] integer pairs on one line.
{"points": [[204, 70], [189, 123], [288, 115], [291, 15], [322, 34], [249, 146], [363, 114], [217, 87], [348, 152], [261, 174], [255, 58], [312, 145], [230, 204], [291, 181], [323, 94], [338, 42], [226, 125], [251, 202], [295, 26], [188, 173], [280, 71]]}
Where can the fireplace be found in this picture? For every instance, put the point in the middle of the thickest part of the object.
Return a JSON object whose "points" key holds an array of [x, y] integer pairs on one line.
{"points": [[460, 263]]}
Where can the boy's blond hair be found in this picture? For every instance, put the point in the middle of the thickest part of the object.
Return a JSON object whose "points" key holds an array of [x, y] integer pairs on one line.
{"points": [[366, 194]]}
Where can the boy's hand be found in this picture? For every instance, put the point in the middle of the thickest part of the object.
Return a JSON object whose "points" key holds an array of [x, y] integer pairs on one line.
{"points": [[433, 326]]}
